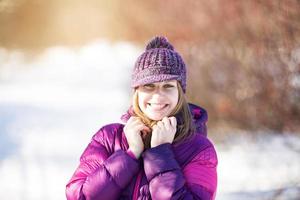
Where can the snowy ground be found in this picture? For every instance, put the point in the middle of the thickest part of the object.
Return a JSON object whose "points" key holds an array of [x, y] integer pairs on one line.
{"points": [[51, 105]]}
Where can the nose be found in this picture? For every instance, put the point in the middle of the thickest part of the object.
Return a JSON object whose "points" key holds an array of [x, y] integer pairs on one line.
{"points": [[157, 93]]}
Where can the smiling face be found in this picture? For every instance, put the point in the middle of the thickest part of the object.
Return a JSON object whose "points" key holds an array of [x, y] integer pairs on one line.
{"points": [[158, 100]]}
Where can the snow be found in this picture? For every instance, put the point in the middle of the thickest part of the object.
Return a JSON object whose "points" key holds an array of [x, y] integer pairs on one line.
{"points": [[52, 104], [259, 166]]}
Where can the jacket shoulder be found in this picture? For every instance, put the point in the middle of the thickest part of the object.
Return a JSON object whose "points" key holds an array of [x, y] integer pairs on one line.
{"points": [[108, 132], [202, 140], [111, 137], [102, 143], [208, 152], [207, 155], [189, 149], [197, 142]]}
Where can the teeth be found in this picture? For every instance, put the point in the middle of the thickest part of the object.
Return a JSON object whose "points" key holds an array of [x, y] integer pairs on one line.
{"points": [[158, 106]]}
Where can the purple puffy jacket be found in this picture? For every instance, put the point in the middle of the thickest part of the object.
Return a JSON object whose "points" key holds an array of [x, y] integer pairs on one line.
{"points": [[185, 170]]}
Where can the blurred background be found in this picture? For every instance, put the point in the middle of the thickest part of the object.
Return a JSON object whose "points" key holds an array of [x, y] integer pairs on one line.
{"points": [[65, 71]]}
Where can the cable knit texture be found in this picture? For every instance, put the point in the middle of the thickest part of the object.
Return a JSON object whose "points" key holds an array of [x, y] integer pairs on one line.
{"points": [[159, 62], [184, 170]]}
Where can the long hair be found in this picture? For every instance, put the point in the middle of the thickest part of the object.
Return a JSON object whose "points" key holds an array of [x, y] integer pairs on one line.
{"points": [[185, 126]]}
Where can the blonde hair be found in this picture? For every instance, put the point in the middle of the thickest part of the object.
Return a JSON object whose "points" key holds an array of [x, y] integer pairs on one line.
{"points": [[185, 127]]}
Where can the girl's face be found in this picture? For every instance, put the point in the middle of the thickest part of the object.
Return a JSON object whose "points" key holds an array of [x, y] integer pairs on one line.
{"points": [[158, 100]]}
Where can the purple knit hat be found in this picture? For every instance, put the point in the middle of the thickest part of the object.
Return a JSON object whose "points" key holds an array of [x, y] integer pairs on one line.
{"points": [[160, 62]]}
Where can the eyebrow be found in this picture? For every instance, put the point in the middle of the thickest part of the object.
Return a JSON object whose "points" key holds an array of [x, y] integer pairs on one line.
{"points": [[170, 82]]}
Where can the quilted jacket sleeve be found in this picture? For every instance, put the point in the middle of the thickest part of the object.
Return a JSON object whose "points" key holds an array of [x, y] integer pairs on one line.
{"points": [[198, 180], [100, 175]]}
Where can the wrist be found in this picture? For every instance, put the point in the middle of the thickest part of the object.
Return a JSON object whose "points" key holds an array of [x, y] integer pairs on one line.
{"points": [[158, 144], [134, 152]]}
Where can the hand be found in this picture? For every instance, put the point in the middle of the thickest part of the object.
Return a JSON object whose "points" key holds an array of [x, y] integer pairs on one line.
{"points": [[164, 131], [133, 130]]}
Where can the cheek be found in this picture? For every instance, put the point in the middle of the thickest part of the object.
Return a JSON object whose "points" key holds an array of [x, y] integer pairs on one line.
{"points": [[142, 100], [174, 98]]}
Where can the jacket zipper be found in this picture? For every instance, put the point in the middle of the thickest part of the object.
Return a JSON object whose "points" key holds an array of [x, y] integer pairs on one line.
{"points": [[137, 185]]}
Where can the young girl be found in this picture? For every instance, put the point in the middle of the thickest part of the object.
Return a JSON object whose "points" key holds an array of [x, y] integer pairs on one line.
{"points": [[162, 151]]}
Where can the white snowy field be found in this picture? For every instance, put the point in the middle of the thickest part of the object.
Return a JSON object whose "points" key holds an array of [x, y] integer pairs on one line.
{"points": [[51, 105]]}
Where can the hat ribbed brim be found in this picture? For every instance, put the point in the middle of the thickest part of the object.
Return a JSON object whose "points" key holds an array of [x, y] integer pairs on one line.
{"points": [[154, 79]]}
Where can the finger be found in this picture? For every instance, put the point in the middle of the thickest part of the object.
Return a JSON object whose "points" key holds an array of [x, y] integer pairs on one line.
{"points": [[132, 119], [147, 129], [166, 122], [136, 121], [154, 127], [133, 129], [173, 121], [160, 124], [144, 133], [139, 127]]}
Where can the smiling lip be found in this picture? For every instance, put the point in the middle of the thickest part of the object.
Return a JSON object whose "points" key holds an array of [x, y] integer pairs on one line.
{"points": [[157, 106]]}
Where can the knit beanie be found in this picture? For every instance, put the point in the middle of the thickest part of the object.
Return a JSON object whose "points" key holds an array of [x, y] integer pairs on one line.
{"points": [[159, 62]]}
